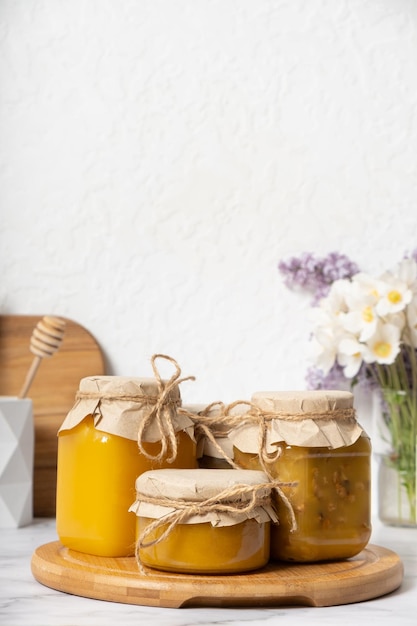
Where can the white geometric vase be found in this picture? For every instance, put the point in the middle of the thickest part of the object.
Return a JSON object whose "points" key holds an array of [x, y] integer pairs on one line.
{"points": [[16, 461]]}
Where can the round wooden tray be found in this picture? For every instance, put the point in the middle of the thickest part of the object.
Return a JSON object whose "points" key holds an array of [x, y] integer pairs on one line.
{"points": [[374, 572]]}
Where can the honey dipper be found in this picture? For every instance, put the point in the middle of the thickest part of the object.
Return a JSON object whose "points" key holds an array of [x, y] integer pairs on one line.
{"points": [[44, 342]]}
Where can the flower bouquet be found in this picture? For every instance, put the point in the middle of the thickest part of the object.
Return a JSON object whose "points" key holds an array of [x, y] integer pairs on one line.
{"points": [[364, 330]]}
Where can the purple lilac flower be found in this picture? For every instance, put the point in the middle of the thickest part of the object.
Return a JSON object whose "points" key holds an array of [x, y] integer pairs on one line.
{"points": [[316, 274], [335, 379], [299, 271], [336, 266]]}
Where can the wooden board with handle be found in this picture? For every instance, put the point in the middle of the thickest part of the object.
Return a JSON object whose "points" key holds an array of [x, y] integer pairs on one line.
{"points": [[374, 572], [52, 392]]}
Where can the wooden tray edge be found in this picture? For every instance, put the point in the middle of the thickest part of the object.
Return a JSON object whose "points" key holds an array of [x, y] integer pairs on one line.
{"points": [[382, 575]]}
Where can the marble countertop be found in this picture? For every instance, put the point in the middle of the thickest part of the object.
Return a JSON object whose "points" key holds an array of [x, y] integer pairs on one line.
{"points": [[25, 602]]}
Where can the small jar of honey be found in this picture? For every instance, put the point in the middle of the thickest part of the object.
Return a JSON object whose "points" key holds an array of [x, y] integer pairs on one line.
{"points": [[206, 521], [315, 448], [118, 428]]}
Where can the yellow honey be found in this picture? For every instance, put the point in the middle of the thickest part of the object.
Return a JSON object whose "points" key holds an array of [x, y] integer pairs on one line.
{"points": [[202, 548], [209, 541], [329, 490], [96, 477]]}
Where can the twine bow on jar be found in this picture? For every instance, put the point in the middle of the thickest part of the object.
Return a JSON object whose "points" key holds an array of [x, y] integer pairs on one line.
{"points": [[142, 409], [163, 412], [236, 500], [216, 420]]}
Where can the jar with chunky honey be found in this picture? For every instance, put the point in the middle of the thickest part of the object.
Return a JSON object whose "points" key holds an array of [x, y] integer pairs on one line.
{"points": [[118, 428], [315, 449], [206, 521]]}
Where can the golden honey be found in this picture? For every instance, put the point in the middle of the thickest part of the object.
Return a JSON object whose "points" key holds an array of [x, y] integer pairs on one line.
{"points": [[96, 477], [329, 493], [219, 545], [95, 486], [202, 548]]}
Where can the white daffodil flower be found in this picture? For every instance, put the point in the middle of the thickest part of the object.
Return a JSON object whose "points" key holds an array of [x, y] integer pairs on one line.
{"points": [[350, 356], [323, 349], [384, 345], [329, 326], [395, 297], [398, 287], [327, 323], [362, 318], [363, 322], [368, 285], [335, 301], [398, 319], [326, 335]]}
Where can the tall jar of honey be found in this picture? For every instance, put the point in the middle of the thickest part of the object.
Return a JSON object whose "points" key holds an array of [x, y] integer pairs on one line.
{"points": [[205, 521], [313, 446], [118, 428]]}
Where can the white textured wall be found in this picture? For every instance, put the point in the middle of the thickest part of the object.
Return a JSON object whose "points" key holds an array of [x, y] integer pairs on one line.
{"points": [[159, 157]]}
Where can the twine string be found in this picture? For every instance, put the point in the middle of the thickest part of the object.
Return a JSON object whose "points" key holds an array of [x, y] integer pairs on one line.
{"points": [[163, 412], [239, 499], [266, 459], [211, 436], [333, 414], [99, 395], [212, 426]]}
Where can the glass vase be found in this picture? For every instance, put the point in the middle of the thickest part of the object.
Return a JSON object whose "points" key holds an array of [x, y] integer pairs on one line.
{"points": [[396, 504], [397, 462]]}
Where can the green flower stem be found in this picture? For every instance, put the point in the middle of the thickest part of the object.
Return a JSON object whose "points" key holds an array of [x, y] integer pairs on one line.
{"points": [[400, 396]]}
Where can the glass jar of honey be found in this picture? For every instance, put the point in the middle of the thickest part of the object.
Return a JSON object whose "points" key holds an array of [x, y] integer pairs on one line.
{"points": [[206, 521], [118, 428], [319, 454], [212, 425]]}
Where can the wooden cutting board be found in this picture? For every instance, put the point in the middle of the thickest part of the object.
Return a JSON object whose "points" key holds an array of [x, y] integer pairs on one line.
{"points": [[52, 392], [376, 571]]}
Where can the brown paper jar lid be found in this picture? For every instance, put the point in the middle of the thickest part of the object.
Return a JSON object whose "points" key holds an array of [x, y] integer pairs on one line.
{"points": [[313, 418], [119, 403], [193, 410], [197, 486], [220, 430], [301, 404]]}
